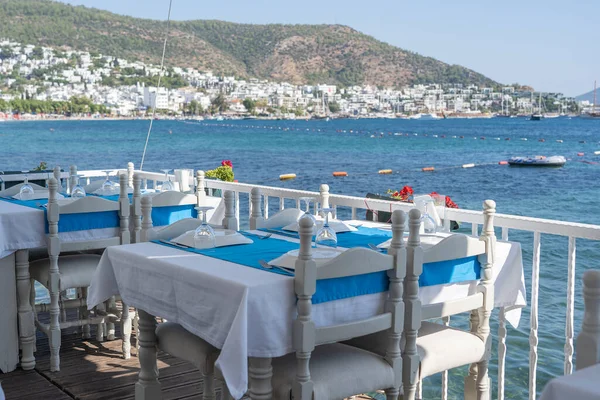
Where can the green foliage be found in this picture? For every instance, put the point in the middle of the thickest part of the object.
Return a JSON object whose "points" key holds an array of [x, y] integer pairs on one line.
{"points": [[219, 104], [223, 173], [43, 166], [37, 53], [194, 108], [249, 104], [334, 107], [77, 105]]}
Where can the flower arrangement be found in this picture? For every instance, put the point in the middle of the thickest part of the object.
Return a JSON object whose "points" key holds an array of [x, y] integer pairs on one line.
{"points": [[223, 173], [407, 192]]}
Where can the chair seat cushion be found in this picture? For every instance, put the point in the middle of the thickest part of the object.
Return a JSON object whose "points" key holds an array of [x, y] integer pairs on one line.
{"points": [[337, 371], [177, 341], [75, 270], [440, 347]]}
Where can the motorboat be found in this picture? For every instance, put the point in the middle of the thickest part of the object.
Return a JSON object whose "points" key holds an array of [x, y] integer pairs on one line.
{"points": [[538, 161]]}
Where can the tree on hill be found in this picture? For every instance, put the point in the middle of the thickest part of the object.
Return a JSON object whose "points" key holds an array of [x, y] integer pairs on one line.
{"points": [[334, 107], [249, 104], [219, 104]]}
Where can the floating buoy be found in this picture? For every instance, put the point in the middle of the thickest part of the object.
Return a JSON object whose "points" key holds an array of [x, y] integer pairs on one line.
{"points": [[468, 165], [597, 152], [340, 173], [286, 177], [385, 171], [503, 163], [580, 154], [541, 140], [427, 169]]}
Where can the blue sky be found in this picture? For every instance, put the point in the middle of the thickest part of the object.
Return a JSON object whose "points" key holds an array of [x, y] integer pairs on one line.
{"points": [[550, 45]]}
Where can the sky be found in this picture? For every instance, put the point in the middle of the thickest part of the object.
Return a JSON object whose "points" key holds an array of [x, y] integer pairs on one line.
{"points": [[548, 44]]}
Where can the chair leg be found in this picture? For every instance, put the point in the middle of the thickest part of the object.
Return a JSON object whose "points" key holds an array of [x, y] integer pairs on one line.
{"points": [[483, 381], [209, 386], [110, 326], [136, 328], [126, 331], [32, 303], [54, 332], [392, 394], [84, 314]]}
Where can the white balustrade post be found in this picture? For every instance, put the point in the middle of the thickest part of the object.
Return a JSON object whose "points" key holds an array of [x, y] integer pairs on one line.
{"points": [[446, 322], [200, 188], [229, 222], [569, 349], [256, 218], [124, 210], [136, 205], [533, 333], [324, 190], [54, 275], [130, 170], [412, 319], [147, 387], [588, 341], [25, 312], [146, 217], [72, 178], [57, 174]]}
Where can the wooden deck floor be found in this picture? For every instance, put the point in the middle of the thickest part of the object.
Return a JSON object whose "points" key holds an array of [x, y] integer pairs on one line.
{"points": [[91, 370]]}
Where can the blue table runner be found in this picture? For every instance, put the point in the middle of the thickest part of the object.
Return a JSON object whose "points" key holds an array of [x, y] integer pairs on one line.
{"points": [[443, 272]]}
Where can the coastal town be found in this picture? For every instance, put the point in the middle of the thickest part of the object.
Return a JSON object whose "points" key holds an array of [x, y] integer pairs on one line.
{"points": [[40, 82]]}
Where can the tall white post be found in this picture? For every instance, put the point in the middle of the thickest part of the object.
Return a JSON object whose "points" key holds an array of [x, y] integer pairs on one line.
{"points": [[130, 170], [54, 275], [229, 222], [533, 333], [72, 178], [588, 341], [147, 217], [256, 218], [569, 350], [136, 205], [200, 188], [324, 190]]}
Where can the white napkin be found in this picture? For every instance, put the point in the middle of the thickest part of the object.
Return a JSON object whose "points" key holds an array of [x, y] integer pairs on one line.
{"points": [[337, 225], [284, 217], [321, 255], [427, 241], [100, 192], [223, 237], [38, 195]]}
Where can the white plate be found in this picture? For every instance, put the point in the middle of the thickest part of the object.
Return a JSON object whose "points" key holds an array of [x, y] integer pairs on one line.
{"points": [[223, 237], [427, 240]]}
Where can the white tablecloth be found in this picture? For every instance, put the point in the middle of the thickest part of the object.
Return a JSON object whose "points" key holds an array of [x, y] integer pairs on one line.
{"points": [[248, 312], [581, 385]]}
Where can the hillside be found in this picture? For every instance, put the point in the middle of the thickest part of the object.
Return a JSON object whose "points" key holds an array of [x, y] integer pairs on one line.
{"points": [[589, 96], [293, 53]]}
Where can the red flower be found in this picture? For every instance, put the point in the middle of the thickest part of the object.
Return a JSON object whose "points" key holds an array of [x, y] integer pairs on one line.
{"points": [[450, 203], [406, 191], [227, 163]]}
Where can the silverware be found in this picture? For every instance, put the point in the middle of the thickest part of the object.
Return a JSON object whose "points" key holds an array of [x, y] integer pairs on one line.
{"points": [[266, 265], [374, 247], [183, 246], [266, 236], [280, 233]]}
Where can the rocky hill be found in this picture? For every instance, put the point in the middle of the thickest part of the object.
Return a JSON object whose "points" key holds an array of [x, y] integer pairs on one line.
{"points": [[293, 53]]}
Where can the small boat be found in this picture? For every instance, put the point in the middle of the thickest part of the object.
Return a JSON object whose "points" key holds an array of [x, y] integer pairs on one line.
{"points": [[538, 161]]}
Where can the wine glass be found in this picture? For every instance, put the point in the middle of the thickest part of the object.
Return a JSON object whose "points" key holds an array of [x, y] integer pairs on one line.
{"points": [[26, 191], [427, 222], [108, 187], [307, 201], [78, 190], [204, 236], [326, 235], [167, 185]]}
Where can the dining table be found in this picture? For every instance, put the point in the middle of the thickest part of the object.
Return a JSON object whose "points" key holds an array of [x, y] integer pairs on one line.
{"points": [[230, 298], [23, 229], [583, 384]]}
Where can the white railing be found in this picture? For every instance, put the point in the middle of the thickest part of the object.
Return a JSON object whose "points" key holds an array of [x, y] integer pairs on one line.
{"points": [[505, 222], [537, 226]]}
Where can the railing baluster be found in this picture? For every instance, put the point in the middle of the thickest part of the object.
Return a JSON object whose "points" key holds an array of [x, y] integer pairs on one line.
{"points": [[237, 205], [474, 230], [446, 321], [504, 233], [250, 205], [570, 307], [533, 334], [266, 207], [501, 351], [281, 203], [354, 213]]}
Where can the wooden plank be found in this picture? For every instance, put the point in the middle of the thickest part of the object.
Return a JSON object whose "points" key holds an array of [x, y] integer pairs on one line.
{"points": [[22, 385]]}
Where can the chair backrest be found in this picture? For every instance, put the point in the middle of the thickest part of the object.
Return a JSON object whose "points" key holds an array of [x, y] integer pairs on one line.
{"points": [[14, 190], [87, 205], [475, 252], [352, 262], [588, 340], [282, 218], [176, 228]]}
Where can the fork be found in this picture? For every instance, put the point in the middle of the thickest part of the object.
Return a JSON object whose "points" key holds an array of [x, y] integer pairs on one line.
{"points": [[374, 247], [266, 265], [268, 235]]}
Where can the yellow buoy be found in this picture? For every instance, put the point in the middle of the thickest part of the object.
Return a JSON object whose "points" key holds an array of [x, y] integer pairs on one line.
{"points": [[340, 173], [286, 177], [385, 171], [428, 169], [468, 165]]}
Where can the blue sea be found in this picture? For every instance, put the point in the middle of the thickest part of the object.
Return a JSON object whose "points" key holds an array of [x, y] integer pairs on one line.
{"points": [[262, 150]]}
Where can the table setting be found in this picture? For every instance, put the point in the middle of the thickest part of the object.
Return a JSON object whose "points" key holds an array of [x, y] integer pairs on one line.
{"points": [[237, 292]]}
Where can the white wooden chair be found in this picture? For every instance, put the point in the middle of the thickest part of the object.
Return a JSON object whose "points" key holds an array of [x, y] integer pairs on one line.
{"points": [[588, 340], [441, 347], [282, 218], [14, 190], [324, 368], [59, 273]]}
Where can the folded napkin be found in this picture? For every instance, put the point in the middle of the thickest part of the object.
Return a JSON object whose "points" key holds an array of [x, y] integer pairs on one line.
{"points": [[321, 255], [282, 218], [223, 237], [101, 192], [427, 241], [337, 225], [37, 195]]}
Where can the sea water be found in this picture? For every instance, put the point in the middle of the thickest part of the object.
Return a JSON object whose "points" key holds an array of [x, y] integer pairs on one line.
{"points": [[262, 150]]}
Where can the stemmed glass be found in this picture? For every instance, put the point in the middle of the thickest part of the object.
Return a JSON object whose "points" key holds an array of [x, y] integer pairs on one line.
{"points": [[78, 190], [26, 191], [167, 185], [326, 235], [307, 201], [108, 187], [204, 236], [429, 225]]}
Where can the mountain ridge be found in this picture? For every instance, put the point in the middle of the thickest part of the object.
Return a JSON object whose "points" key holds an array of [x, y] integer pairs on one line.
{"points": [[298, 54]]}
